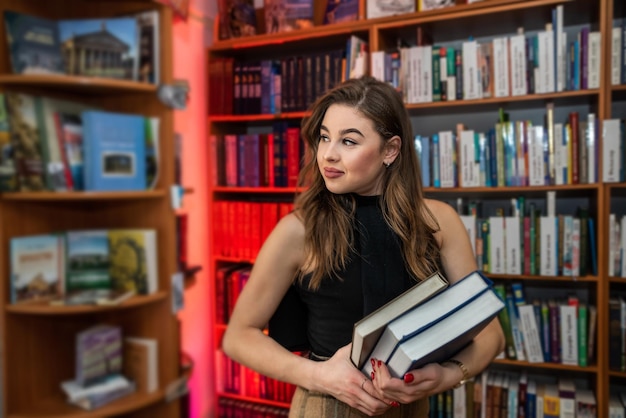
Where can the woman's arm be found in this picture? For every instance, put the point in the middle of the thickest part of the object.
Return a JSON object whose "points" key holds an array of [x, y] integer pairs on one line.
{"points": [[458, 261], [244, 341]]}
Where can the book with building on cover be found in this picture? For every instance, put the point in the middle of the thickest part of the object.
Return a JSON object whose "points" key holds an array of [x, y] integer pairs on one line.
{"points": [[437, 329], [368, 330]]}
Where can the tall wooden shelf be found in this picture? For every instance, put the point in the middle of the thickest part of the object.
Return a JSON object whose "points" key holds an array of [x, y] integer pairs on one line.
{"points": [[37, 342], [483, 20]]}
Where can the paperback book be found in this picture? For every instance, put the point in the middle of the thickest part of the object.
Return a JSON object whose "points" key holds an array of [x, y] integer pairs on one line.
{"points": [[368, 330], [440, 327]]}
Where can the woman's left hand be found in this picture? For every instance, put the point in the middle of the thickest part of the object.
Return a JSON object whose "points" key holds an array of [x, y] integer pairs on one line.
{"points": [[416, 384]]}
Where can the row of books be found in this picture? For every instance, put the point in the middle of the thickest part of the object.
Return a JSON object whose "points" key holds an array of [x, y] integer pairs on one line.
{"points": [[237, 379], [547, 330], [229, 282], [550, 245], [518, 153], [110, 366], [240, 227], [235, 408], [122, 47], [83, 266], [257, 160], [59, 145], [617, 245]]}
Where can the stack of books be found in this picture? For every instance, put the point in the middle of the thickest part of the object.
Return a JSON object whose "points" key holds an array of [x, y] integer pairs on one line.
{"points": [[427, 324]]}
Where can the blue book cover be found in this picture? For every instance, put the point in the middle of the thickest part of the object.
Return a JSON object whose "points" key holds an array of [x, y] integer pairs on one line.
{"points": [[338, 11], [114, 151], [34, 44]]}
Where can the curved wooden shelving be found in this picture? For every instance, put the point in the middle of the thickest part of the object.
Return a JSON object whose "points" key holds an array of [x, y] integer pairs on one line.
{"points": [[82, 196], [45, 309], [83, 85], [57, 407]]}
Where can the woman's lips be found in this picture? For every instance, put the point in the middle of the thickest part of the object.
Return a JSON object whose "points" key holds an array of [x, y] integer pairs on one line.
{"points": [[332, 173]]}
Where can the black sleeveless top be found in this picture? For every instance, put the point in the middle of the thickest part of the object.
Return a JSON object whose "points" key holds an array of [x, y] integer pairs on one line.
{"points": [[375, 274]]}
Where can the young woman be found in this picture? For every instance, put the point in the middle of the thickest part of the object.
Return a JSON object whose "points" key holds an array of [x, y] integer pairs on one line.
{"points": [[361, 234]]}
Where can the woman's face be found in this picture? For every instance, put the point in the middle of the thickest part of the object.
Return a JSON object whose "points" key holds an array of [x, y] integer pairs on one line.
{"points": [[350, 155]]}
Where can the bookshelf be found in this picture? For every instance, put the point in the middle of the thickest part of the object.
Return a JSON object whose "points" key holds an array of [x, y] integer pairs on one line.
{"points": [[37, 341], [450, 27]]}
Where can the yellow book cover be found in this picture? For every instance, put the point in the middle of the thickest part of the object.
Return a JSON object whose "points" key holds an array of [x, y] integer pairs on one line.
{"points": [[133, 263]]}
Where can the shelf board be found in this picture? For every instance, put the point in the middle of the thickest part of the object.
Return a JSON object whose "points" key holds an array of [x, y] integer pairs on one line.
{"points": [[259, 117], [550, 366], [45, 309], [527, 277], [84, 85], [57, 407], [82, 196], [272, 190], [250, 399]]}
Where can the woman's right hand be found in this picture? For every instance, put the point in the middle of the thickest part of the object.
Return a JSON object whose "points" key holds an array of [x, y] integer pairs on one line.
{"points": [[339, 378]]}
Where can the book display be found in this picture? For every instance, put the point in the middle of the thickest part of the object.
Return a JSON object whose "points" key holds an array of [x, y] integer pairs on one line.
{"points": [[80, 252], [518, 109]]}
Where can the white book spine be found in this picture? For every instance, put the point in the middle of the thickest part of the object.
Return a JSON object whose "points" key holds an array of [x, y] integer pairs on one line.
{"points": [[530, 331], [518, 65], [471, 88], [512, 239], [568, 230], [616, 55], [501, 67], [548, 245], [469, 221], [535, 156], [623, 247], [378, 65], [569, 335], [470, 168], [546, 61], [497, 257], [561, 160], [613, 244], [446, 158], [593, 64], [591, 148], [560, 45], [576, 247], [426, 75], [611, 147]]}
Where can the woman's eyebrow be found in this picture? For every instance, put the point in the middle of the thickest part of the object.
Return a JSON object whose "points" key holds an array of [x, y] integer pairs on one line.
{"points": [[344, 131]]}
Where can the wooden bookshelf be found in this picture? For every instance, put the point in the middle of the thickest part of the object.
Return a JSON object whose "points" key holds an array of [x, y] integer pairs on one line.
{"points": [[37, 342], [482, 20]]}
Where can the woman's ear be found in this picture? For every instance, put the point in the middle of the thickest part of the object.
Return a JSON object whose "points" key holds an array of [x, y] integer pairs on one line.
{"points": [[392, 149]]}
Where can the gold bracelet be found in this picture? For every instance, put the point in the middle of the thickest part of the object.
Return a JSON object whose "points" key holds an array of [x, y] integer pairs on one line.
{"points": [[464, 370]]}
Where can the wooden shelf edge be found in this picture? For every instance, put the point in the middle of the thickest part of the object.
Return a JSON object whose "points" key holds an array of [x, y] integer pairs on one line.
{"points": [[45, 309], [546, 366], [84, 84], [58, 408], [76, 196], [528, 277]]}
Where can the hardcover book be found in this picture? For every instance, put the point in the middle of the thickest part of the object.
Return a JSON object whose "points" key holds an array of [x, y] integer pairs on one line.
{"points": [[141, 363], [237, 18], [33, 44], [7, 168], [287, 15], [114, 151], [438, 328], [381, 8], [133, 260], [368, 330], [86, 42], [37, 267], [87, 260], [338, 11], [98, 353]]}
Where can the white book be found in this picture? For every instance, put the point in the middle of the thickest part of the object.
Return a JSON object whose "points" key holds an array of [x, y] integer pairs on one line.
{"points": [[585, 403], [379, 8], [546, 71], [512, 239], [613, 244], [536, 167], [141, 362], [497, 255], [569, 334], [517, 46], [447, 148], [561, 156], [623, 247], [591, 148], [513, 395], [541, 388], [567, 398], [472, 89], [448, 335], [470, 167], [530, 332], [575, 247], [405, 74], [611, 150], [594, 49], [415, 69], [459, 406], [469, 221], [501, 67], [616, 408], [451, 85], [616, 55], [548, 245], [425, 94], [568, 231], [560, 46], [378, 65]]}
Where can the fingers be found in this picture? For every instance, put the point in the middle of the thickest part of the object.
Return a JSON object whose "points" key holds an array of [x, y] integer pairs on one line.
{"points": [[369, 401]]}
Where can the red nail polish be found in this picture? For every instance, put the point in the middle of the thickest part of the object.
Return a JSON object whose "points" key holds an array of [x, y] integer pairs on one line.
{"points": [[395, 404], [373, 375], [373, 362], [380, 362], [408, 378]]}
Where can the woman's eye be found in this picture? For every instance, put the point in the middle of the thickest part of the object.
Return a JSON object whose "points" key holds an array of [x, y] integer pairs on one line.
{"points": [[323, 138], [348, 141]]}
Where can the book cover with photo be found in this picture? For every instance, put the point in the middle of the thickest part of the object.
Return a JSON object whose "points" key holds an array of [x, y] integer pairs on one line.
{"points": [[104, 47], [87, 259], [382, 8], [133, 260], [236, 19], [37, 267], [7, 168], [34, 44], [288, 15], [114, 151]]}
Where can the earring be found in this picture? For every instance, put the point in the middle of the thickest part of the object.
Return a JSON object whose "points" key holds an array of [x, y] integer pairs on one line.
{"points": [[387, 164]]}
